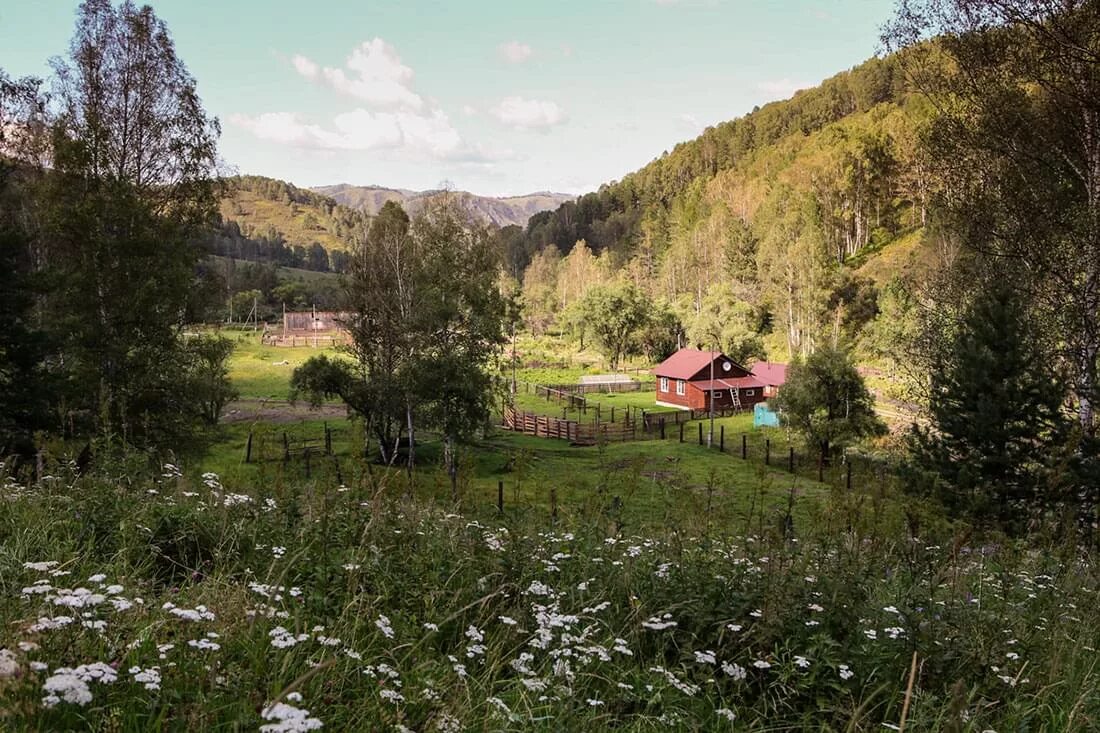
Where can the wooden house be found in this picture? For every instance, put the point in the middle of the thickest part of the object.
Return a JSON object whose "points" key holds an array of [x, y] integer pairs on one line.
{"points": [[691, 379]]}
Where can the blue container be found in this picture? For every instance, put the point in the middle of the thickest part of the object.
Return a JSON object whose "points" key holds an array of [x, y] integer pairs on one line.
{"points": [[762, 417]]}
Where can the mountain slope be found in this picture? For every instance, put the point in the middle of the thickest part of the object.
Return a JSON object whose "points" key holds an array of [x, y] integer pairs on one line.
{"points": [[798, 213], [502, 211]]}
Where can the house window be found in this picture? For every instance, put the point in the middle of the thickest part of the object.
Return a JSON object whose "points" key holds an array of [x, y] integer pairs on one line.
{"points": [[681, 387], [664, 384], [750, 392]]}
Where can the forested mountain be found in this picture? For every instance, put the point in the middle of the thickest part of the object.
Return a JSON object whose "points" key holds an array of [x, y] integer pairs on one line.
{"points": [[267, 220], [501, 211], [793, 215]]}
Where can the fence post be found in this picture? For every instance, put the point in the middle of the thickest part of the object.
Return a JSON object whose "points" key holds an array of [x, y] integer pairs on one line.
{"points": [[722, 439], [286, 449], [248, 449], [848, 481], [744, 446], [328, 440], [662, 423], [681, 431], [790, 460], [613, 413], [306, 456], [645, 425], [767, 451], [554, 505], [821, 468], [500, 497], [700, 433]]}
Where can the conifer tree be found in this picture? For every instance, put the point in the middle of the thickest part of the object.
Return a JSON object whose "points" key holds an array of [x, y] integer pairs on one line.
{"points": [[996, 406]]}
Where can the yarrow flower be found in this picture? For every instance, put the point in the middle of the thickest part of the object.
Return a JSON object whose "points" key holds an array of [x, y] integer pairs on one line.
{"points": [[288, 718], [705, 657], [150, 677], [659, 623], [383, 624], [734, 671], [71, 685]]}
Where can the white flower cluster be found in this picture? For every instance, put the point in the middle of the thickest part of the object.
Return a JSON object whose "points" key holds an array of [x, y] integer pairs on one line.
{"points": [[71, 684], [288, 719], [198, 613]]}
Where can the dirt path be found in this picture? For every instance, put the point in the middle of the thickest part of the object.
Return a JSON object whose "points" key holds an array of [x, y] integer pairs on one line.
{"points": [[279, 411]]}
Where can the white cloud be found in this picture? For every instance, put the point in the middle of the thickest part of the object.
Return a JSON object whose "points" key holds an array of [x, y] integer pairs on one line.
{"points": [[781, 88], [532, 114], [515, 52], [305, 67], [469, 110], [374, 74], [428, 135]]}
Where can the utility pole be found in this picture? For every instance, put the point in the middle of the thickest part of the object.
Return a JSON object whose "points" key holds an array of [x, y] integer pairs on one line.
{"points": [[710, 395], [513, 358]]}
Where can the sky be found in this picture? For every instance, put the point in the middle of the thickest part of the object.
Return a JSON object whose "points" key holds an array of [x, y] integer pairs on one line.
{"points": [[498, 98]]}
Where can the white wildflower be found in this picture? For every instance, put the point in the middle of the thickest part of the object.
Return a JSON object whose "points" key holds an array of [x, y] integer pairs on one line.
{"points": [[383, 624], [288, 718]]}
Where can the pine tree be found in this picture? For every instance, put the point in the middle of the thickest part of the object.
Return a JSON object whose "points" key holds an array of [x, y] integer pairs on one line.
{"points": [[995, 410]]}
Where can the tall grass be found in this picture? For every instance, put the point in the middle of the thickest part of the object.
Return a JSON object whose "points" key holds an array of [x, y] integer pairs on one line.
{"points": [[236, 607]]}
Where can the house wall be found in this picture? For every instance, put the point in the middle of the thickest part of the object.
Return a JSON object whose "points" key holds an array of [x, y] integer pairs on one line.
{"points": [[723, 398], [671, 398], [696, 399]]}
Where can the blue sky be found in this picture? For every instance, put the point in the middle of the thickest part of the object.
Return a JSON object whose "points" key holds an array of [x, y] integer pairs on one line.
{"points": [[497, 98]]}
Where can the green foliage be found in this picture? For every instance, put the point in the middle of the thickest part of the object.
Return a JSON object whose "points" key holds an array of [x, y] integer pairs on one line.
{"points": [[996, 415], [25, 389], [614, 316], [207, 382], [826, 401], [726, 322], [1019, 178]]}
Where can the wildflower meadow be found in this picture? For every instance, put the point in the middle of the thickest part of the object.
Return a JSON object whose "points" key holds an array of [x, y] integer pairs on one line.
{"points": [[170, 601]]}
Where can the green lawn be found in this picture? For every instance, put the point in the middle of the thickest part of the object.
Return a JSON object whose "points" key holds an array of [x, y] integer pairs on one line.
{"points": [[258, 371]]}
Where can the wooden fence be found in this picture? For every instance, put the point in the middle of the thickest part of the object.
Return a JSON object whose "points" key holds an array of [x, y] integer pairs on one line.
{"points": [[577, 433], [599, 387]]}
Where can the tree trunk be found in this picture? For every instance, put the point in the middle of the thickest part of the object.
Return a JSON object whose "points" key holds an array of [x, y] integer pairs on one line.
{"points": [[451, 461], [412, 439]]}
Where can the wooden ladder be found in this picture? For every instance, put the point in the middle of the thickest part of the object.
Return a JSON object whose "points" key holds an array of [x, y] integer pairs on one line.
{"points": [[735, 398]]}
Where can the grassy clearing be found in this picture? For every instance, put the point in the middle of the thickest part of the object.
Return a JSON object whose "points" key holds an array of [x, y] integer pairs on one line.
{"points": [[258, 371]]}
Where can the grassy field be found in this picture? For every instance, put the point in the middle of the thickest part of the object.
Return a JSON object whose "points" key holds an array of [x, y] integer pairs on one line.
{"points": [[263, 372], [640, 586], [648, 483]]}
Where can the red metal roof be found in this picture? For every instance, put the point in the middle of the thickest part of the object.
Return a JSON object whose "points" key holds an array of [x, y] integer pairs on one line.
{"points": [[771, 373], [732, 383], [686, 363]]}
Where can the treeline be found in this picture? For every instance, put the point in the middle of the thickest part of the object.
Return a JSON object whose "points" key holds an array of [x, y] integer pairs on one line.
{"points": [[227, 240], [225, 290], [98, 225]]}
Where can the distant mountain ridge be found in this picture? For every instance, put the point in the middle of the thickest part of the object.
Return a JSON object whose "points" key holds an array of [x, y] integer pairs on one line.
{"points": [[502, 210]]}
